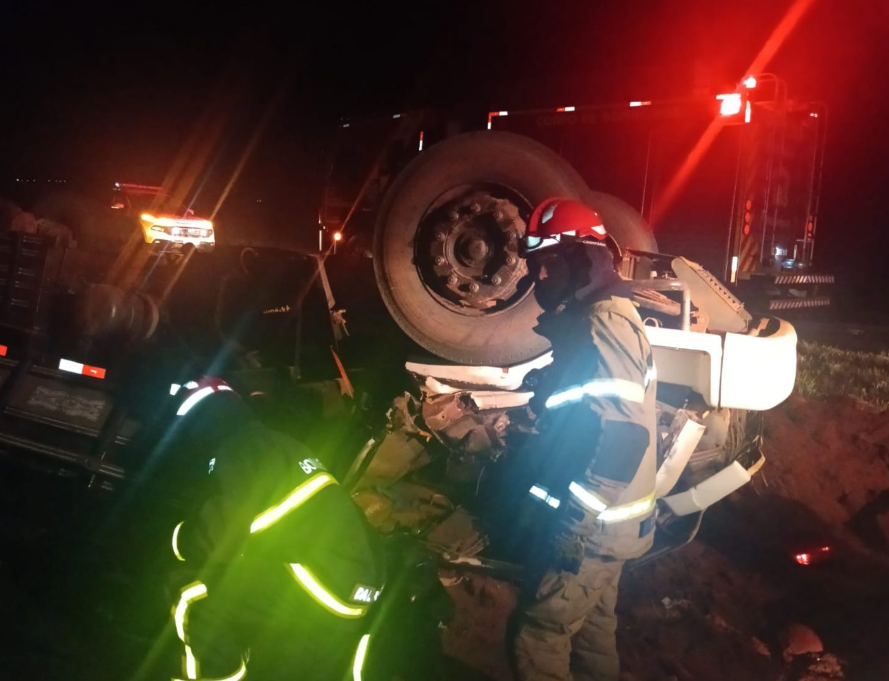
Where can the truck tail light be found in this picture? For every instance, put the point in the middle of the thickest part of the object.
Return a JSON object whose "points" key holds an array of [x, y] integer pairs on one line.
{"points": [[729, 104]]}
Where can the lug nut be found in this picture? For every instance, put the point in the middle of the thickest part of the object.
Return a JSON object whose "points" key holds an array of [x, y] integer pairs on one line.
{"points": [[453, 215], [511, 260], [475, 208], [496, 280], [452, 280], [498, 214], [440, 235], [439, 260], [473, 287]]}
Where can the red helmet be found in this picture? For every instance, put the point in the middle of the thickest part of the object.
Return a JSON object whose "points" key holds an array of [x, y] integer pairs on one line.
{"points": [[555, 218]]}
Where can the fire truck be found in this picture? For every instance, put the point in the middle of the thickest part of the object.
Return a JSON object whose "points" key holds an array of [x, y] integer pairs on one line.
{"points": [[730, 180]]}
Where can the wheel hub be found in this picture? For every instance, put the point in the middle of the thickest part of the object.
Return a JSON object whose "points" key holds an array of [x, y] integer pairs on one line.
{"points": [[473, 260]]}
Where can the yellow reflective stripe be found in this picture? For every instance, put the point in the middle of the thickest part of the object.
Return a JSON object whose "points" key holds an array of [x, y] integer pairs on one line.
{"points": [[187, 596], [237, 676], [191, 664], [614, 514], [297, 497], [360, 654], [330, 602], [176, 541]]}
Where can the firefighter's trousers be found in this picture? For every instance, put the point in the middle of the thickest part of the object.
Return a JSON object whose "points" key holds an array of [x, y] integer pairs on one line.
{"points": [[565, 627]]}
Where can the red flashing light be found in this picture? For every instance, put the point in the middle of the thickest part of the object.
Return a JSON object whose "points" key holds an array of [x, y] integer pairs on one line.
{"points": [[638, 103], [811, 557], [3, 350], [337, 236], [565, 108], [750, 82], [729, 104]]}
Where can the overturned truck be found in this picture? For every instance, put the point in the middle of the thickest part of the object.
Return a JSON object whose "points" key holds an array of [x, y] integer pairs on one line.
{"points": [[90, 370], [447, 264]]}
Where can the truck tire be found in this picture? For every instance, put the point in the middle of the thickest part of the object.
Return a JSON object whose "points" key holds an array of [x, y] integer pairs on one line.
{"points": [[445, 249], [623, 222]]}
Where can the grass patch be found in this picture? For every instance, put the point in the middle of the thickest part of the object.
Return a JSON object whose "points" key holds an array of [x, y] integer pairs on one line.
{"points": [[825, 371]]}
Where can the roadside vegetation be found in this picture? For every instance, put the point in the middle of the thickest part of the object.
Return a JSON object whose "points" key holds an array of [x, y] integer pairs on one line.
{"points": [[825, 371]]}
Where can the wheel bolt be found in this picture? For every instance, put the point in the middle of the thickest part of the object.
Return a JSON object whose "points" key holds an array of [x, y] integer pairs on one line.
{"points": [[511, 260], [498, 214], [496, 280], [439, 260], [453, 215], [473, 287], [440, 235], [475, 208], [452, 280]]}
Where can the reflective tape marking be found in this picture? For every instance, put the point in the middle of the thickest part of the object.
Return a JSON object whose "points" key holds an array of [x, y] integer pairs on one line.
{"points": [[605, 387], [635, 509], [174, 388], [543, 495], [615, 514], [189, 594], [297, 497], [176, 541], [82, 369], [237, 676], [192, 400], [322, 596], [3, 350], [71, 367], [592, 501], [360, 655]]}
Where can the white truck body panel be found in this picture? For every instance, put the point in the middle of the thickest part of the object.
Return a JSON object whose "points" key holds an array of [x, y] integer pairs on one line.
{"points": [[736, 371]]}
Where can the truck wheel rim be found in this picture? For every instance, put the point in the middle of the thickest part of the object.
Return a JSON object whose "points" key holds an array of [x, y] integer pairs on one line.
{"points": [[467, 250]]}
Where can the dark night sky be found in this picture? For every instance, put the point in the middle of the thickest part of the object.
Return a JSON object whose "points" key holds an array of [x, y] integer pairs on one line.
{"points": [[103, 91]]}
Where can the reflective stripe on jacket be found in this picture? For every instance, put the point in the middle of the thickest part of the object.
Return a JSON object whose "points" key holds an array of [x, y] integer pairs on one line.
{"points": [[604, 373]]}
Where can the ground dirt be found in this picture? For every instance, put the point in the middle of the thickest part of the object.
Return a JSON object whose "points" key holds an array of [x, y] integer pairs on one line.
{"points": [[735, 604]]}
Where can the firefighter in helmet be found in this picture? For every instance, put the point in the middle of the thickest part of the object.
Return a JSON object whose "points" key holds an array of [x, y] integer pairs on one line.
{"points": [[280, 569], [594, 480]]}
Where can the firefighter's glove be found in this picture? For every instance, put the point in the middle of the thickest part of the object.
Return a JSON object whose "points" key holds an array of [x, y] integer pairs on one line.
{"points": [[569, 552]]}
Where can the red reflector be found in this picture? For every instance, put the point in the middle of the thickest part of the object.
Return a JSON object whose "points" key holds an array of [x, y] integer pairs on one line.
{"points": [[95, 372], [3, 350]]}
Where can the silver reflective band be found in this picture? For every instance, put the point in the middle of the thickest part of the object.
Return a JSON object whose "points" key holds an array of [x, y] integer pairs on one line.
{"points": [[536, 243], [589, 499], [650, 375], [542, 494], [620, 388], [595, 503], [174, 388], [192, 400]]}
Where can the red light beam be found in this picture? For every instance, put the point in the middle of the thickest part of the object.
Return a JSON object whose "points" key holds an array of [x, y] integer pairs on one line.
{"points": [[785, 27]]}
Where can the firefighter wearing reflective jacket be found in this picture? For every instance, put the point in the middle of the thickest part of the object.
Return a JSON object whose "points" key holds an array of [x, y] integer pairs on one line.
{"points": [[595, 486], [280, 568]]}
